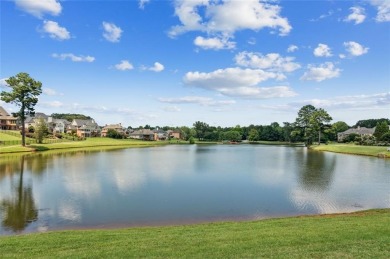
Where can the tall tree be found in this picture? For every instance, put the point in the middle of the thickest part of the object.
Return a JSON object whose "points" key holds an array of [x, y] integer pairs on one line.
{"points": [[201, 128], [317, 121], [24, 94], [303, 122], [381, 129]]}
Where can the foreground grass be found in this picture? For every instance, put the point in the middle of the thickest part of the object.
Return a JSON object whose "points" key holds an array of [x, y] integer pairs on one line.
{"points": [[354, 149], [356, 235], [88, 144]]}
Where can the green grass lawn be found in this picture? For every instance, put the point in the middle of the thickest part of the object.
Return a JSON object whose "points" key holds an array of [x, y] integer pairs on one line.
{"points": [[7, 137], [354, 149], [356, 235]]}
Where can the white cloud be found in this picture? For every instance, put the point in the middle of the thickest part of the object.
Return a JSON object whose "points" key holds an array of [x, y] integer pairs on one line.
{"points": [[355, 49], [55, 31], [204, 101], [53, 104], [292, 48], [124, 65], [238, 82], [214, 43], [322, 50], [111, 32], [3, 83], [383, 7], [321, 72], [350, 102], [49, 91], [39, 7], [323, 16], [142, 3], [271, 61], [158, 67], [73, 57], [357, 15], [228, 16], [172, 109]]}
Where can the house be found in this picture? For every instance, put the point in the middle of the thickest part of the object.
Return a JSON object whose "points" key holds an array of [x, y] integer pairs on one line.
{"points": [[174, 134], [117, 127], [362, 131], [83, 128], [160, 134], [144, 134], [57, 125], [7, 121], [32, 120]]}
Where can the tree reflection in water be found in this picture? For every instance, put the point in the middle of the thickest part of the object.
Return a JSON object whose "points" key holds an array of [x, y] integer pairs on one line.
{"points": [[19, 210]]}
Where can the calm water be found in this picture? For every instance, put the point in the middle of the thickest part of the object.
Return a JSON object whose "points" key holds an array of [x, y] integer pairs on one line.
{"points": [[184, 184]]}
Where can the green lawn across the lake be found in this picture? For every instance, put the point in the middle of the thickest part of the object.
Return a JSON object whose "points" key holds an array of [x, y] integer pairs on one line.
{"points": [[357, 235], [354, 149]]}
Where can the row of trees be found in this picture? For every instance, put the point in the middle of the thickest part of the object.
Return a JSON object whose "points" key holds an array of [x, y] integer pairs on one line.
{"points": [[311, 125]]}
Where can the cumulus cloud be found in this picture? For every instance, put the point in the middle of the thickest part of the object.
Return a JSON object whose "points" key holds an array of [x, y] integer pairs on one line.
{"points": [[357, 15], [321, 72], [349, 102], [53, 104], [383, 7], [55, 31], [271, 61], [111, 32], [238, 82], [355, 49], [73, 57], [214, 43], [50, 92], [124, 65], [172, 109], [142, 3], [322, 50], [3, 83], [228, 16], [157, 67], [204, 101], [39, 8], [292, 48]]}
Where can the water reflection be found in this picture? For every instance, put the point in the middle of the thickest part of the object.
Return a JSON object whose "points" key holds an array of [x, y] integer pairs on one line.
{"points": [[19, 210], [317, 170], [179, 184]]}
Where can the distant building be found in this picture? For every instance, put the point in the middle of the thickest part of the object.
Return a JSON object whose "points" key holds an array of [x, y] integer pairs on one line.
{"points": [[174, 134], [84, 128], [361, 131], [7, 121], [143, 134], [117, 127]]}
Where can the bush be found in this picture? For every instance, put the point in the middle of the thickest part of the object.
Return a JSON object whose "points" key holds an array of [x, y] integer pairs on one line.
{"points": [[191, 140]]}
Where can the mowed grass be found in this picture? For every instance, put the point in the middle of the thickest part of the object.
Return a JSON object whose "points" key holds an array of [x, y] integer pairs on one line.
{"points": [[7, 137], [356, 235], [88, 144], [354, 149]]}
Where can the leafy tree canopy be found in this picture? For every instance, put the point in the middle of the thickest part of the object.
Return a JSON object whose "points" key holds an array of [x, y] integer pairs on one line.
{"points": [[70, 116], [24, 94], [370, 123]]}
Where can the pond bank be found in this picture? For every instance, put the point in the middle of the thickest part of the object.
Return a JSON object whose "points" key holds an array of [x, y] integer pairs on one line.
{"points": [[352, 149], [359, 234]]}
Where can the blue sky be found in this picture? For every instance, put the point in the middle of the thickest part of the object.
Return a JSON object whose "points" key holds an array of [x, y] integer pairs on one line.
{"points": [[224, 62]]}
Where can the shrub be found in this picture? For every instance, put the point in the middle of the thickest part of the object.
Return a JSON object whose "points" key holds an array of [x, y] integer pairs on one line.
{"points": [[191, 140]]}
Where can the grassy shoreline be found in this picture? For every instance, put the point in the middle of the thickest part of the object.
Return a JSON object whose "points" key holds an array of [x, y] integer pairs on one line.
{"points": [[363, 234], [352, 149]]}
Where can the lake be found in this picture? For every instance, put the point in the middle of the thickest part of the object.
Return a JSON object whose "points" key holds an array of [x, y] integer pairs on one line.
{"points": [[183, 184]]}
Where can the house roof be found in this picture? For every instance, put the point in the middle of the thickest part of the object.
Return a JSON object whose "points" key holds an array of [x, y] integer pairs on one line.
{"points": [[113, 126], [360, 131], [142, 132]]}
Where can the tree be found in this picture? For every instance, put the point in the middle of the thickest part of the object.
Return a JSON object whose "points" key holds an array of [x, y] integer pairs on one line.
{"points": [[312, 120], [201, 128], [317, 120], [253, 135], [24, 94], [381, 129], [303, 122], [41, 130]]}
